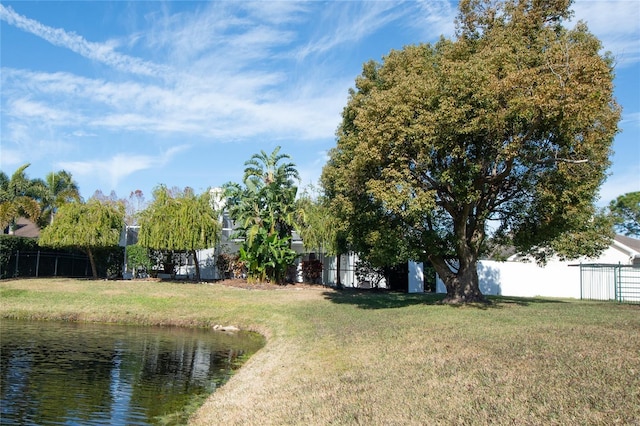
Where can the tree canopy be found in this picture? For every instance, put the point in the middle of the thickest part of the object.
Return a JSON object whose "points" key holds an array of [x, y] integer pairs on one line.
{"points": [[511, 122], [625, 211], [179, 221], [86, 226]]}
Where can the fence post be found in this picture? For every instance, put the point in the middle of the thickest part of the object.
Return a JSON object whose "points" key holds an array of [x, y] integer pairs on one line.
{"points": [[580, 280], [615, 282], [619, 289], [37, 263], [55, 267], [17, 262]]}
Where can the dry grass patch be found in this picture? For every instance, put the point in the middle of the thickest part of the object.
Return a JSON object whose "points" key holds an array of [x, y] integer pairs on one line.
{"points": [[384, 358]]}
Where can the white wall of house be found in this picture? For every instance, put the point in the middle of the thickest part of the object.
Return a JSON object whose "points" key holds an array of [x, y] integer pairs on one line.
{"points": [[526, 279]]}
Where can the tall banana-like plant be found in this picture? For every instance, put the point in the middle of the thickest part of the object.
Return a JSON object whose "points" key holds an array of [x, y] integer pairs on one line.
{"points": [[264, 212]]}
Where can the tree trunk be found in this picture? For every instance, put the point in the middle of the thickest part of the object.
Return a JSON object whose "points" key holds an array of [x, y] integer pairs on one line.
{"points": [[462, 285], [92, 261], [195, 262]]}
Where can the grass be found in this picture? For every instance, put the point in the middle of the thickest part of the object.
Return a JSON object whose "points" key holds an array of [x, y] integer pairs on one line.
{"points": [[354, 357]]}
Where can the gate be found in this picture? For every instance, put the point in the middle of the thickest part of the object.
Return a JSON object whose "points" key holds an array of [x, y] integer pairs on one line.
{"points": [[610, 282]]}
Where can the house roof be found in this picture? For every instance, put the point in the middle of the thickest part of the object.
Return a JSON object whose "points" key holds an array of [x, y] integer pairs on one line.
{"points": [[26, 228], [629, 246], [632, 245]]}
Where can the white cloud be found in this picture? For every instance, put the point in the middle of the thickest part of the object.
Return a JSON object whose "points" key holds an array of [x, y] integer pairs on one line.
{"points": [[631, 118], [10, 157], [436, 18], [622, 182], [221, 72], [199, 107], [350, 24], [310, 172], [101, 52], [112, 170], [39, 111], [616, 24]]}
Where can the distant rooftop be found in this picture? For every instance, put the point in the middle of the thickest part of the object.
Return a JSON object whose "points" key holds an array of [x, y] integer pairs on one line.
{"points": [[26, 228]]}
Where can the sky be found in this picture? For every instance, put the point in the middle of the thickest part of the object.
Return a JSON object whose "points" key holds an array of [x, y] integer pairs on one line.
{"points": [[127, 95]]}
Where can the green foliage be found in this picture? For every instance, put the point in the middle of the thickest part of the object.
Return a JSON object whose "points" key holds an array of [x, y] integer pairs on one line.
{"points": [[318, 226], [18, 197], [87, 226], [109, 261], [589, 239], [182, 222], [512, 122], [138, 259], [9, 244], [625, 211], [82, 225], [57, 189], [179, 221], [267, 256], [264, 211]]}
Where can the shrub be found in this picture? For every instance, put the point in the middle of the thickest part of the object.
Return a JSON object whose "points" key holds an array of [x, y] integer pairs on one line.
{"points": [[312, 270]]}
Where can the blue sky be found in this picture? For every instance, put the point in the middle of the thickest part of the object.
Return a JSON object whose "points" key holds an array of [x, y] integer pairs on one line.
{"points": [[129, 95]]}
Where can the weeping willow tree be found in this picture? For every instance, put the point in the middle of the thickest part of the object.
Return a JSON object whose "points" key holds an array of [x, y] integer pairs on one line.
{"points": [[85, 226], [179, 221]]}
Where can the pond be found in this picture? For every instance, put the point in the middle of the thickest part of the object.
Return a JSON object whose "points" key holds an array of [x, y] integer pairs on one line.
{"points": [[90, 374]]}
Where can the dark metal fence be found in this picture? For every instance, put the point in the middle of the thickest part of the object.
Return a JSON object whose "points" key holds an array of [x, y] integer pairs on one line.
{"points": [[46, 264], [610, 282]]}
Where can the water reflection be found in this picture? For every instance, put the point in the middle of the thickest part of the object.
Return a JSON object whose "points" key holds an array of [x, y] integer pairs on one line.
{"points": [[67, 373]]}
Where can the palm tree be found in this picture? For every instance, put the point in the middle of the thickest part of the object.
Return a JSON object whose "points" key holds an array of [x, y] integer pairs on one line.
{"points": [[273, 184], [57, 189], [264, 169], [18, 197]]}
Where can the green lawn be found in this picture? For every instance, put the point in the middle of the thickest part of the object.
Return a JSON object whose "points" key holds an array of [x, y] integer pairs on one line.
{"points": [[383, 358]]}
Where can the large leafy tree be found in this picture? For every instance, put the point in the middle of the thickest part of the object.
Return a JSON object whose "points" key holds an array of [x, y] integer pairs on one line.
{"points": [[625, 211], [179, 221], [510, 122], [18, 197], [56, 189], [264, 211], [86, 226]]}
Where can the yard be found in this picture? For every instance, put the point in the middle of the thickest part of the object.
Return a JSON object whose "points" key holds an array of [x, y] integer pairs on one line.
{"points": [[354, 357]]}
